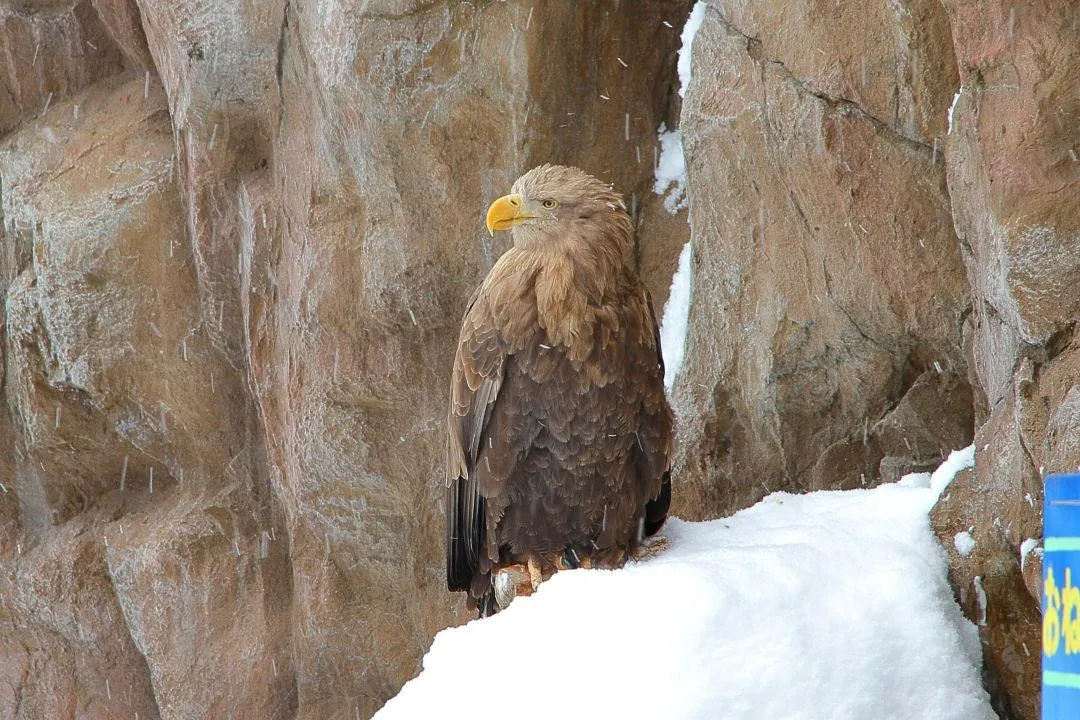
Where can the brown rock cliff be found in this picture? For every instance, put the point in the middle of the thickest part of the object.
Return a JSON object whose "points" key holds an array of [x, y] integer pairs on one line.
{"points": [[238, 239]]}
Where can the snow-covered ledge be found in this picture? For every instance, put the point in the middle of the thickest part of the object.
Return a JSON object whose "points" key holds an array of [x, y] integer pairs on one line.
{"points": [[831, 605]]}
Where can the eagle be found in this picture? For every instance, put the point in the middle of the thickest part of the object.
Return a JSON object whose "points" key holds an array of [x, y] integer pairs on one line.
{"points": [[559, 432]]}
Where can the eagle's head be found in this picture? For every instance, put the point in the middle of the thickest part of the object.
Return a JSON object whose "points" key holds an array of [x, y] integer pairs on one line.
{"points": [[553, 202]]}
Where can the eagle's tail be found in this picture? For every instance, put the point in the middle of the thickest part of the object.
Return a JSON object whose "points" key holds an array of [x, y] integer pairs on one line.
{"points": [[464, 533], [656, 510]]}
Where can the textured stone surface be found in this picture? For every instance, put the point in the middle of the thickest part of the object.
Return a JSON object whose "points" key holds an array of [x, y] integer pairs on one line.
{"points": [[380, 247], [895, 60], [996, 505], [1013, 179], [887, 269], [237, 244], [835, 283], [1011, 166], [131, 426], [51, 49], [238, 238]]}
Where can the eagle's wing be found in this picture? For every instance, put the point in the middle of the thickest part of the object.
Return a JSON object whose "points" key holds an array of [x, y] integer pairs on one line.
{"points": [[477, 377]]}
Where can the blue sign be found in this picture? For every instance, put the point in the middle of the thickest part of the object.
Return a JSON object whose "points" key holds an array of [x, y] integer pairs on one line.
{"points": [[1061, 598]]}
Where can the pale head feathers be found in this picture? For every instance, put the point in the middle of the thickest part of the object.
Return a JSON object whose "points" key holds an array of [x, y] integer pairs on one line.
{"points": [[587, 209], [566, 184]]}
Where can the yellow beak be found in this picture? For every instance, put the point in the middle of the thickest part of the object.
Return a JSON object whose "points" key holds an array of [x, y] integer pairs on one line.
{"points": [[506, 212]]}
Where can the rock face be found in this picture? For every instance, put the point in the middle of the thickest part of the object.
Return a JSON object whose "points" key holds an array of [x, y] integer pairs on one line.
{"points": [[238, 239], [826, 348], [1014, 177], [888, 230]]}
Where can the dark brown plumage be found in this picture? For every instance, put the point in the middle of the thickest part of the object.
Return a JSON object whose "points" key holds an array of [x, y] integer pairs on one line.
{"points": [[559, 431]]}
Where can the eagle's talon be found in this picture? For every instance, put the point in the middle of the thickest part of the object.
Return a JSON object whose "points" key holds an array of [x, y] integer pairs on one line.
{"points": [[513, 581], [651, 548], [505, 589], [536, 574]]}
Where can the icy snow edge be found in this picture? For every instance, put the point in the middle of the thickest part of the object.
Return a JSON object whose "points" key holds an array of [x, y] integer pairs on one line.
{"points": [[673, 326], [832, 605], [693, 24], [671, 166], [671, 170]]}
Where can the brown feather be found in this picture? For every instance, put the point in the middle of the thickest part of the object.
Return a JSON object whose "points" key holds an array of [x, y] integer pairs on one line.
{"points": [[559, 432]]}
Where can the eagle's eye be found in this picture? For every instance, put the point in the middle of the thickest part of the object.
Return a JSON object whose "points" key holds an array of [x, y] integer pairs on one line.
{"points": [[549, 204]]}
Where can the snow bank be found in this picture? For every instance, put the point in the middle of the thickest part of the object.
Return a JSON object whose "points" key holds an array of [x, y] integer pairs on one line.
{"points": [[831, 605], [693, 24], [670, 183], [958, 460], [673, 325], [964, 543], [952, 108], [1029, 546], [670, 169]]}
